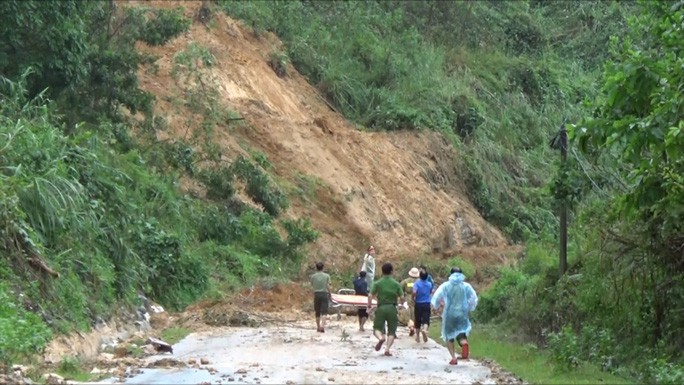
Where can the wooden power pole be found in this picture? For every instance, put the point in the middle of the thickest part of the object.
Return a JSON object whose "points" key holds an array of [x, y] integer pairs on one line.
{"points": [[560, 141], [563, 263]]}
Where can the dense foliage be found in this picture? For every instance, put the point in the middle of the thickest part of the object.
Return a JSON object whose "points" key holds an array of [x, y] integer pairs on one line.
{"points": [[91, 216], [621, 303]]}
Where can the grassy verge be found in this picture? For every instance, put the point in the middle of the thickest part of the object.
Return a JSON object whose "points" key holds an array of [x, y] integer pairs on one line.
{"points": [[526, 360], [174, 334]]}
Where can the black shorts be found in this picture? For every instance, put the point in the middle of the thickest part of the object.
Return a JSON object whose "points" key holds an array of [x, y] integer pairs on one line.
{"points": [[363, 313], [320, 303], [459, 337], [422, 314]]}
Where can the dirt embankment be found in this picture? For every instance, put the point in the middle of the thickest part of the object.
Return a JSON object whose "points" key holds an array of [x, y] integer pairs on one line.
{"points": [[396, 190]]}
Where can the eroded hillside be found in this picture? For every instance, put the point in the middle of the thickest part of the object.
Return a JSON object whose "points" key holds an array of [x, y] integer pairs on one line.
{"points": [[395, 190]]}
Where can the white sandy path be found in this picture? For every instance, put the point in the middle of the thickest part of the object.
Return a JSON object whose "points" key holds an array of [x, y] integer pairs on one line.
{"points": [[297, 354]]}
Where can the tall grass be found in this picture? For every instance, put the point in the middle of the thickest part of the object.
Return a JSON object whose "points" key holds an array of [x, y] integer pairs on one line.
{"points": [[527, 361]]}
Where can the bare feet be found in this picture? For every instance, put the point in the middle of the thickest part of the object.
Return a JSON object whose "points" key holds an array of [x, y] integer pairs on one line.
{"points": [[379, 345], [425, 336]]}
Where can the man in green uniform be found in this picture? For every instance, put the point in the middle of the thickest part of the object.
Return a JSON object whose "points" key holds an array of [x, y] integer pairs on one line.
{"points": [[388, 293], [320, 282]]}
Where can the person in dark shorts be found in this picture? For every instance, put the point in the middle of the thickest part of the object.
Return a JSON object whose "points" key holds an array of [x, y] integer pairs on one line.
{"points": [[422, 293], [320, 282], [389, 294], [429, 277], [361, 288]]}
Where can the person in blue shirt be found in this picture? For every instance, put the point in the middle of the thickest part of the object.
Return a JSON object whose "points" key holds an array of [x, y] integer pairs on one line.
{"points": [[361, 288], [422, 293], [429, 277]]}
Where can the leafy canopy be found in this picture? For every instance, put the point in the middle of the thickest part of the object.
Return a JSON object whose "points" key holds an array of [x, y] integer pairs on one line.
{"points": [[639, 118]]}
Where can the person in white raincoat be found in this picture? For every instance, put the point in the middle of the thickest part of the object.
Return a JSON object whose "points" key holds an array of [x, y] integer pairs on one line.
{"points": [[369, 266], [458, 299]]}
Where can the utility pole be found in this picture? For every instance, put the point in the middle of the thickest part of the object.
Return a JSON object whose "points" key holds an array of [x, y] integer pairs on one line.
{"points": [[560, 141], [563, 263]]}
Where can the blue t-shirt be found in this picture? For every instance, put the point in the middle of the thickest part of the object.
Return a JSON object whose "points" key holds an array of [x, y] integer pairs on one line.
{"points": [[360, 286], [422, 290]]}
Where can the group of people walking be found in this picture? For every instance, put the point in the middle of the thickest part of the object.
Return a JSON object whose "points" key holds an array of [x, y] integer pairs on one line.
{"points": [[414, 299]]}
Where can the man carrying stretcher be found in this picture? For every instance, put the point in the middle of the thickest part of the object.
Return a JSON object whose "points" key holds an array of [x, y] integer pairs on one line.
{"points": [[361, 288]]}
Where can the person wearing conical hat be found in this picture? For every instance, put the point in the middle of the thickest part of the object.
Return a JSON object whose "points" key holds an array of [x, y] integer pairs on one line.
{"points": [[406, 313]]}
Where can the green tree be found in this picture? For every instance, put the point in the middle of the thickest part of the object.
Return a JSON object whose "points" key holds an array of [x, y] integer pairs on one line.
{"points": [[637, 129], [51, 38], [639, 120]]}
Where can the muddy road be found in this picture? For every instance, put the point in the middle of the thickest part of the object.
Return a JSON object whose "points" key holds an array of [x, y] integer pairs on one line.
{"points": [[294, 353]]}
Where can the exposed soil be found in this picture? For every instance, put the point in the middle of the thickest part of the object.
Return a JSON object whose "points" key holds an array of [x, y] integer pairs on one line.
{"points": [[399, 191]]}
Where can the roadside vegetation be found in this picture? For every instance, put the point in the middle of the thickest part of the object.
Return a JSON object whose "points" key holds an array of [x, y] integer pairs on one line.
{"points": [[526, 360]]}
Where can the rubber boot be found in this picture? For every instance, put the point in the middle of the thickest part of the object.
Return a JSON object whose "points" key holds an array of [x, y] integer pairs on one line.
{"points": [[464, 351]]}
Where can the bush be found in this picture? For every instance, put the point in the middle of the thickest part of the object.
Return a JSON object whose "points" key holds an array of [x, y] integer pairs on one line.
{"points": [[175, 278], [565, 348], [538, 259], [219, 182], [496, 301], [22, 333], [259, 186], [244, 266], [659, 371], [299, 233], [164, 25]]}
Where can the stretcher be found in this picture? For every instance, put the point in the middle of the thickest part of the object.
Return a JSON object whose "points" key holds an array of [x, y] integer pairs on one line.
{"points": [[345, 298]]}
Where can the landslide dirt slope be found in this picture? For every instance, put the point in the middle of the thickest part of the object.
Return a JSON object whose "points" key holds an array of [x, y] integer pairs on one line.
{"points": [[395, 190]]}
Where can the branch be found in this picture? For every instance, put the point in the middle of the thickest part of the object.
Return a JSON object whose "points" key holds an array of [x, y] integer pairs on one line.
{"points": [[38, 263], [631, 244], [34, 257]]}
